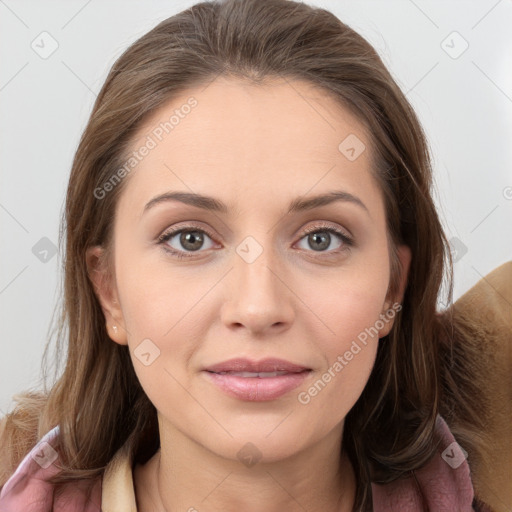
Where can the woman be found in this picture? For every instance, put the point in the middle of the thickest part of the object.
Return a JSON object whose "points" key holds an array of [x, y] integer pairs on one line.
{"points": [[253, 260]]}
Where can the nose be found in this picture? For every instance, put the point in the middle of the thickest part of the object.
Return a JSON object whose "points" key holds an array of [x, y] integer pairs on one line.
{"points": [[259, 297]]}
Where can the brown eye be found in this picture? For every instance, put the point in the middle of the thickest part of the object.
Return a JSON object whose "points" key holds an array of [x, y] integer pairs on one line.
{"points": [[320, 239], [191, 240], [182, 241]]}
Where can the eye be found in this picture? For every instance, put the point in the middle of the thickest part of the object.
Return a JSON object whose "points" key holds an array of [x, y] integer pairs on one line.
{"points": [[185, 240], [320, 239]]}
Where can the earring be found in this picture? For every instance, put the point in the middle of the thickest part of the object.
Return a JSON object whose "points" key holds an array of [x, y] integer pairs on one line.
{"points": [[115, 328]]}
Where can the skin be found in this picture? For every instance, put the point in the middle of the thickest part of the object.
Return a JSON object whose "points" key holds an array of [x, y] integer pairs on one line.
{"points": [[256, 148]]}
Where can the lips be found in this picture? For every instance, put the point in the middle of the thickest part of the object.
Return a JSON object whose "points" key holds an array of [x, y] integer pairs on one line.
{"points": [[261, 375], [256, 381], [241, 365]]}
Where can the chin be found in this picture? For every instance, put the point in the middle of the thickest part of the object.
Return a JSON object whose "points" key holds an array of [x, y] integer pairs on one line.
{"points": [[253, 445]]}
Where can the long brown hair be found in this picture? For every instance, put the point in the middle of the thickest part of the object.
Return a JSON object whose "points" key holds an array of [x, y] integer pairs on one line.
{"points": [[97, 400]]}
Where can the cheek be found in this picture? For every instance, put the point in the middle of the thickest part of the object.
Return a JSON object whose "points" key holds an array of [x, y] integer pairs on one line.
{"points": [[338, 388], [155, 297], [349, 350], [351, 311], [163, 312], [161, 317], [352, 301]]}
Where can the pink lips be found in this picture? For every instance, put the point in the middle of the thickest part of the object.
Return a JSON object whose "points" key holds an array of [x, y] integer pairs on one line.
{"points": [[257, 381]]}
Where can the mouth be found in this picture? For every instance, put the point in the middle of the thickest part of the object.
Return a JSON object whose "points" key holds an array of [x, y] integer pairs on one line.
{"points": [[269, 365], [256, 381], [260, 375]]}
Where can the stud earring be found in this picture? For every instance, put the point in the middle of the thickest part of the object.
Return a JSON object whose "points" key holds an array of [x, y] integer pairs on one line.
{"points": [[115, 328]]}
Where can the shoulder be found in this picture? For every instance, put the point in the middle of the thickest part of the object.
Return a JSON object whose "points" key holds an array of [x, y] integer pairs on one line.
{"points": [[28, 488], [489, 304]]}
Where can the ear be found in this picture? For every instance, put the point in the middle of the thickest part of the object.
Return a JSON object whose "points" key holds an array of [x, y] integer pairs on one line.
{"points": [[106, 291], [390, 310]]}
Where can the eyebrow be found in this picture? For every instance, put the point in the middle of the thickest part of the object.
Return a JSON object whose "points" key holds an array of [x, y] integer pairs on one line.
{"points": [[214, 205]]}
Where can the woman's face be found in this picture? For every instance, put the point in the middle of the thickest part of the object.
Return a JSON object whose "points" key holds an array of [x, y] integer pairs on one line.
{"points": [[252, 283]]}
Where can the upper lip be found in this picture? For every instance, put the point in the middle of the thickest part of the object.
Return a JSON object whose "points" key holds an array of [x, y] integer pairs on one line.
{"points": [[265, 365]]}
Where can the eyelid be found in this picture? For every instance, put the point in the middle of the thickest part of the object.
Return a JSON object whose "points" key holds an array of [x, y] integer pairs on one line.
{"points": [[189, 226], [330, 227]]}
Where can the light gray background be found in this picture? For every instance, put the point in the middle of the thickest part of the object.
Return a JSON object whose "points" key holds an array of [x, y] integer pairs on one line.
{"points": [[464, 102]]}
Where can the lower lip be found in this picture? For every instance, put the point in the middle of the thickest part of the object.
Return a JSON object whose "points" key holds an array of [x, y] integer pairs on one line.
{"points": [[256, 389]]}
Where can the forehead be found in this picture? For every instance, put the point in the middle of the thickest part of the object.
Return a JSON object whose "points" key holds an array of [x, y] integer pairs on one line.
{"points": [[277, 112], [241, 135]]}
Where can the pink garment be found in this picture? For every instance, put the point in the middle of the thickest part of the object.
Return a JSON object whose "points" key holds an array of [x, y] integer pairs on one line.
{"points": [[443, 485], [28, 491]]}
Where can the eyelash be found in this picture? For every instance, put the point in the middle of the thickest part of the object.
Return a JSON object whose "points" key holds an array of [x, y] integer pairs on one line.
{"points": [[322, 228]]}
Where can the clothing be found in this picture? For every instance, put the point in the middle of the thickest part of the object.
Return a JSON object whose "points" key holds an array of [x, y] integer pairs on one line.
{"points": [[443, 485]]}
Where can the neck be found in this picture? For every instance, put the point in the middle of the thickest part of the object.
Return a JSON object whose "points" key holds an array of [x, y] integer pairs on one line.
{"points": [[184, 476]]}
